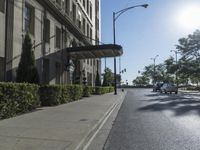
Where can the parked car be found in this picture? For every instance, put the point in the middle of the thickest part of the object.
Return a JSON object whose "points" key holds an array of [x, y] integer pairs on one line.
{"points": [[168, 88], [157, 87]]}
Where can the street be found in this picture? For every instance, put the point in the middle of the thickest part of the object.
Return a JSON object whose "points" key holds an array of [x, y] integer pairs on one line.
{"points": [[154, 121]]}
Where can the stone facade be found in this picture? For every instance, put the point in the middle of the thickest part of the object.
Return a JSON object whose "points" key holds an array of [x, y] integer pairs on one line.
{"points": [[53, 25]]}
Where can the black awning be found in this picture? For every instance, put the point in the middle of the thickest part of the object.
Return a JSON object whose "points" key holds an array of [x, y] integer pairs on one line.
{"points": [[95, 51]]}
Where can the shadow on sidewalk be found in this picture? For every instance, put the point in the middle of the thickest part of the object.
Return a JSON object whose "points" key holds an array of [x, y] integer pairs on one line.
{"points": [[179, 104]]}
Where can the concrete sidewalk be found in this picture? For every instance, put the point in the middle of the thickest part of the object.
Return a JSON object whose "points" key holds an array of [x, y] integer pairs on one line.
{"points": [[65, 127]]}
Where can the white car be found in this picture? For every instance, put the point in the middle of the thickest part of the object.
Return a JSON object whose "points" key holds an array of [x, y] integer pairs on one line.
{"points": [[168, 88]]}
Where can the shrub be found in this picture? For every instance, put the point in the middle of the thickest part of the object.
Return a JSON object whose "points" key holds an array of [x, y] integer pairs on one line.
{"points": [[65, 95], [98, 90], [103, 90], [50, 95], [97, 80], [76, 92], [27, 71], [111, 89], [87, 91], [108, 77], [16, 98]]}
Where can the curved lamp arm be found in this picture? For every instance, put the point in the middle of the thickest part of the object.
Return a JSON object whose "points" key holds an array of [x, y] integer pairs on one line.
{"points": [[120, 12]]}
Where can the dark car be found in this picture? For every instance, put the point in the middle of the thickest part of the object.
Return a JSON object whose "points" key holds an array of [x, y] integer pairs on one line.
{"points": [[157, 87]]}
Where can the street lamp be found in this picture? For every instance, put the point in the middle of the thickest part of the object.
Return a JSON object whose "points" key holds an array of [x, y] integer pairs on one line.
{"points": [[154, 67], [176, 52], [115, 17]]}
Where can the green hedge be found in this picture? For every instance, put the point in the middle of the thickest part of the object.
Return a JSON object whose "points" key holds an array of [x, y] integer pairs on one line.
{"points": [[65, 95], [87, 91], [76, 92], [103, 90], [17, 98], [51, 95], [111, 89]]}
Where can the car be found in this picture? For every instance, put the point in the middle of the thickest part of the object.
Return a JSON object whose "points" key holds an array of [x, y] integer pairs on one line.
{"points": [[169, 88], [157, 87]]}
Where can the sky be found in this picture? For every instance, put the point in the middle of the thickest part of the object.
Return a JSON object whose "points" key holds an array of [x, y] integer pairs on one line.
{"points": [[146, 32]]}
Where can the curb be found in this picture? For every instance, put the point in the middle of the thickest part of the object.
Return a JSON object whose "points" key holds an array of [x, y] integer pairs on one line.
{"points": [[86, 141]]}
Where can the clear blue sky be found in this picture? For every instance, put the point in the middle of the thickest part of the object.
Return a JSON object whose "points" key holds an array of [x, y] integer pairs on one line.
{"points": [[145, 33]]}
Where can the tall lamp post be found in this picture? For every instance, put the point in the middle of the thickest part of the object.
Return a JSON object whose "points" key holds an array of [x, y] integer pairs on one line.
{"points": [[154, 68], [176, 52], [115, 17]]}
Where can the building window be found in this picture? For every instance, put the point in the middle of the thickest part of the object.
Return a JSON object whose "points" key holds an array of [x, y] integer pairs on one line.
{"points": [[84, 26], [46, 71], [58, 72], [58, 37], [65, 39], [90, 10], [91, 34], [88, 7], [88, 61], [47, 30], [84, 3], [1, 69], [94, 62], [58, 2], [29, 17], [2, 6], [79, 19], [88, 79], [97, 63], [74, 12], [88, 30], [67, 4]]}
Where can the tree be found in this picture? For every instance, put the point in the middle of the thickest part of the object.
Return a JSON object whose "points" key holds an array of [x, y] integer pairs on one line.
{"points": [[171, 68], [108, 77], [27, 72], [154, 74], [149, 71], [189, 48], [98, 80], [141, 81], [160, 74], [195, 79]]}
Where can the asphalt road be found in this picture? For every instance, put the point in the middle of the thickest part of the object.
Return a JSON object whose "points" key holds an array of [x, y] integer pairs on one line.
{"points": [[154, 121]]}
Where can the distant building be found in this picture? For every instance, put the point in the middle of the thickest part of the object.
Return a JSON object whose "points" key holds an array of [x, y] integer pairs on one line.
{"points": [[53, 25]]}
